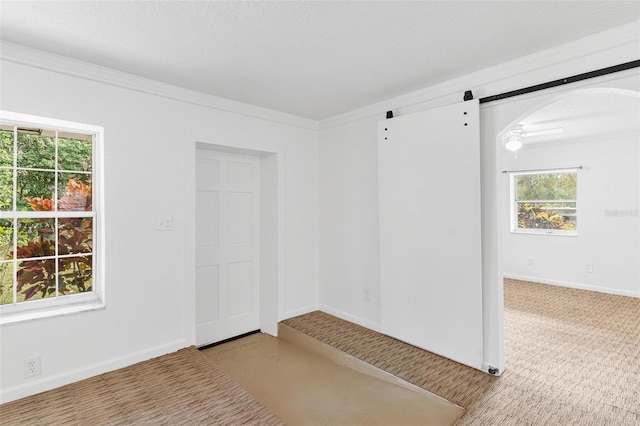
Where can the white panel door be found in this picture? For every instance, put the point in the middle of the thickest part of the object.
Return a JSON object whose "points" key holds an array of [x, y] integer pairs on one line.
{"points": [[430, 247], [227, 246]]}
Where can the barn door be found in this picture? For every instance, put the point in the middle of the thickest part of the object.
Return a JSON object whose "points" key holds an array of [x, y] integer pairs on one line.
{"points": [[430, 246]]}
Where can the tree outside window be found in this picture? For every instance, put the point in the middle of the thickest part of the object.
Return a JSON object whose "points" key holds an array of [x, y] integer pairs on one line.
{"points": [[545, 202], [47, 214]]}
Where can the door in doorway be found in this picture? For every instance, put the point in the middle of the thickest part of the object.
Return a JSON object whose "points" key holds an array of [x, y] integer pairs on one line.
{"points": [[430, 242], [227, 245]]}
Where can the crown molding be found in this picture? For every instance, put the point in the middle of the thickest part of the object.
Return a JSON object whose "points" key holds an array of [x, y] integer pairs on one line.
{"points": [[628, 34], [23, 55]]}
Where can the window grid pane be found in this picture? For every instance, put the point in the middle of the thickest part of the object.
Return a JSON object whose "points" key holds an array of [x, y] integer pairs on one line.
{"points": [[6, 282], [75, 275], [36, 279], [35, 151], [43, 172], [546, 201]]}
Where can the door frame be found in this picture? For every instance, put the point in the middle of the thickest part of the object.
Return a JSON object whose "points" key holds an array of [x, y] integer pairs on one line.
{"points": [[272, 228], [494, 278]]}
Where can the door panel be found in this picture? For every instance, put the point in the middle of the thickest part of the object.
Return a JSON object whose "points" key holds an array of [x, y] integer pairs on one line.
{"points": [[240, 217], [227, 221], [207, 225], [240, 288], [430, 246], [205, 310]]}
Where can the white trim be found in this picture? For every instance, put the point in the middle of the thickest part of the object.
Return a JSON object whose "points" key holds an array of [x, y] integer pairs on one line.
{"points": [[82, 302], [351, 318], [274, 309], [95, 299], [18, 119], [299, 311], [606, 40], [51, 382], [23, 55], [513, 203], [548, 232], [577, 286], [64, 214], [617, 37]]}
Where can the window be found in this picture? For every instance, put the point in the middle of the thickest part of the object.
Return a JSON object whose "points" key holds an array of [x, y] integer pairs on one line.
{"points": [[49, 217], [544, 202]]}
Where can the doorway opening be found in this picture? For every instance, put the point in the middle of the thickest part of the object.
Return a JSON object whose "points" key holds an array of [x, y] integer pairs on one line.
{"points": [[569, 262], [269, 236], [569, 193]]}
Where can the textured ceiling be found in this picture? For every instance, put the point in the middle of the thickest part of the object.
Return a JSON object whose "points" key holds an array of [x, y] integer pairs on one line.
{"points": [[311, 59], [600, 114]]}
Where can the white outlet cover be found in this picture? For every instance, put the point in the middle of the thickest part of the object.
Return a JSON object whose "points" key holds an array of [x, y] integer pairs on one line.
{"points": [[165, 223], [367, 295], [32, 367]]}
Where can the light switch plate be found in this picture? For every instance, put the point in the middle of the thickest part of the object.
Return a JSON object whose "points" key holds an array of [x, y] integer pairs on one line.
{"points": [[165, 223]]}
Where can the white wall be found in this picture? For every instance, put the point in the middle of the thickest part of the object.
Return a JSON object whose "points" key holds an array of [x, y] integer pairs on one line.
{"points": [[349, 257], [146, 286], [609, 181], [348, 176], [330, 197]]}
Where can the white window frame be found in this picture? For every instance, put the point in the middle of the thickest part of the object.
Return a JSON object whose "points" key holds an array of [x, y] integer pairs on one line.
{"points": [[513, 203], [95, 299]]}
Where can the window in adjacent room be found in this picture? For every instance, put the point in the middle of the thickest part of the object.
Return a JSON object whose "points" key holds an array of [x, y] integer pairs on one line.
{"points": [[544, 202], [49, 217]]}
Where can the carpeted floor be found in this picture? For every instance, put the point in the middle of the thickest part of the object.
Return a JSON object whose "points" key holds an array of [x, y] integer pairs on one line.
{"points": [[182, 388], [454, 382], [573, 358]]}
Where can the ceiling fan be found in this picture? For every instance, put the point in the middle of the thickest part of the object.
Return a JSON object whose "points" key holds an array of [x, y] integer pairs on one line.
{"points": [[516, 135]]}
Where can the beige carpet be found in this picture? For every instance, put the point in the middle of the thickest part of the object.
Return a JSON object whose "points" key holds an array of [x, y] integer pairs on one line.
{"points": [[454, 382], [573, 358], [182, 388]]}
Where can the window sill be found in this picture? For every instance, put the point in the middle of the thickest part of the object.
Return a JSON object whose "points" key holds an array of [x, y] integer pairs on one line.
{"points": [[54, 311], [554, 232]]}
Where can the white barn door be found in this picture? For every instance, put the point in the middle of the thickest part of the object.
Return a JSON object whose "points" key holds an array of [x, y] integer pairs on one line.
{"points": [[430, 246], [227, 245]]}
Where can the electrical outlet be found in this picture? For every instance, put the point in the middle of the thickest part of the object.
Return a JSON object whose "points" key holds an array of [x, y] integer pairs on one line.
{"points": [[588, 268], [367, 295], [530, 261], [32, 366]]}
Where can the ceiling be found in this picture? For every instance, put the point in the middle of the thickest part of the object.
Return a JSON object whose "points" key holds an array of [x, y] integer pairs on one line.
{"points": [[313, 59], [600, 114]]}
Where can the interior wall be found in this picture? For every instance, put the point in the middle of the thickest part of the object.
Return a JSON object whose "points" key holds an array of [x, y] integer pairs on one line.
{"points": [[329, 187], [348, 180], [604, 255], [146, 312]]}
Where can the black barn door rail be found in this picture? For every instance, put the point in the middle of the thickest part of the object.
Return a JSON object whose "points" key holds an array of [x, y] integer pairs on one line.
{"points": [[562, 81]]}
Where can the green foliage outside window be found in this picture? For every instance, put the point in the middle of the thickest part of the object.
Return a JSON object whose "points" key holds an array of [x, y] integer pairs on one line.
{"points": [[547, 201], [543, 216], [44, 269], [39, 152], [36, 277]]}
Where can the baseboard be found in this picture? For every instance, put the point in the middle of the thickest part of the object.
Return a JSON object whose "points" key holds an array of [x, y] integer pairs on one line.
{"points": [[52, 382], [577, 286], [299, 311], [349, 317]]}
